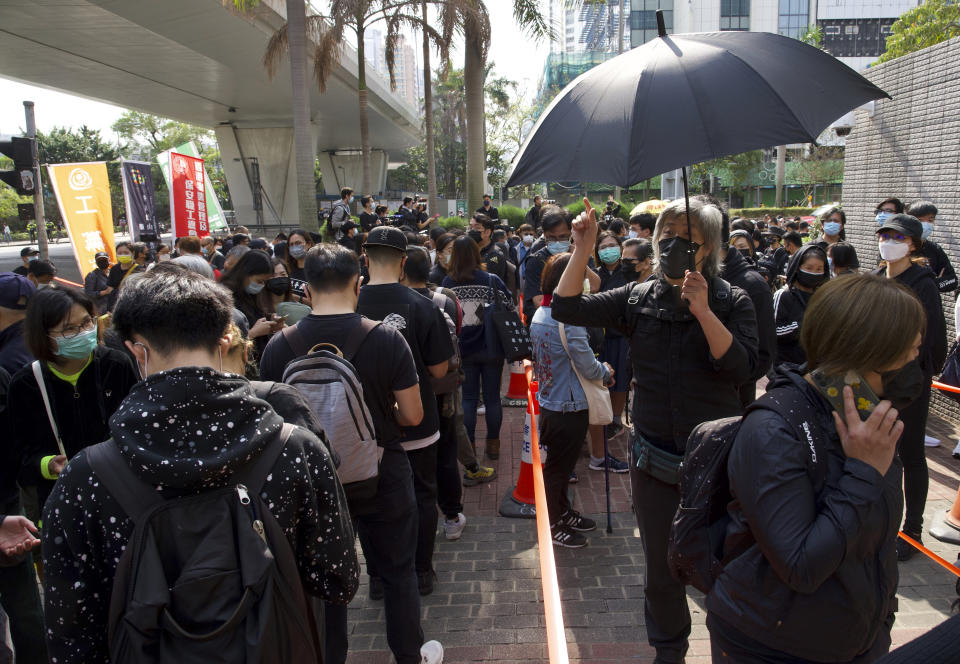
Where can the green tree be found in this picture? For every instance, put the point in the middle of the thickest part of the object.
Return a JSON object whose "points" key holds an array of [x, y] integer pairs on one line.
{"points": [[153, 134], [63, 146], [930, 23]]}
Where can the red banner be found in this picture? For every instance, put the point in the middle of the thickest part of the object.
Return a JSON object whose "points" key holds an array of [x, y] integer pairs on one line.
{"points": [[188, 205]]}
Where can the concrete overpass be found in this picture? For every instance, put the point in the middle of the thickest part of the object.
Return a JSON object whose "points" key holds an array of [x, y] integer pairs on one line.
{"points": [[200, 62]]}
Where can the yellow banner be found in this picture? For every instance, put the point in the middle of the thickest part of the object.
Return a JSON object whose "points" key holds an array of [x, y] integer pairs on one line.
{"points": [[83, 194]]}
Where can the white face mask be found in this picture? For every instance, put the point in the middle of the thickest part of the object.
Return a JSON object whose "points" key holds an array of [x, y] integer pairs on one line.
{"points": [[891, 250], [528, 239], [632, 233]]}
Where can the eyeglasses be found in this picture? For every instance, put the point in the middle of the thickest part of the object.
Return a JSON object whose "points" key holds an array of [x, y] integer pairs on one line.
{"points": [[899, 237], [71, 331]]}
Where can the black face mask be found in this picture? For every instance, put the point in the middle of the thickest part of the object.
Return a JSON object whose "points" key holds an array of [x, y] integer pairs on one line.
{"points": [[810, 280], [103, 263], [903, 386], [278, 285], [746, 253], [674, 256], [476, 236]]}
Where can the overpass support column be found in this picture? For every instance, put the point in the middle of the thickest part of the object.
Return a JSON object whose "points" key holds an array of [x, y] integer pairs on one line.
{"points": [[343, 168]]}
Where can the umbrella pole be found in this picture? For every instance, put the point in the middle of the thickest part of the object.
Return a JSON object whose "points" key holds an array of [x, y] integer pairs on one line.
{"points": [[686, 199]]}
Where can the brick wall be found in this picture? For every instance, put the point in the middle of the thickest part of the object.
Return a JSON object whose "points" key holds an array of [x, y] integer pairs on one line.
{"points": [[910, 149]]}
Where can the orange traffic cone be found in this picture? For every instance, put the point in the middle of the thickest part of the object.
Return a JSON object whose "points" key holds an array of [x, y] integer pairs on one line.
{"points": [[517, 392], [946, 525], [519, 502]]}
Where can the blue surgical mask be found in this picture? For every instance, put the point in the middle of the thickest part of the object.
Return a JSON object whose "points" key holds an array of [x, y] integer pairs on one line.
{"points": [[205, 251], [609, 255], [30, 259], [927, 229], [632, 234], [350, 200], [297, 250], [77, 347], [882, 217], [832, 228], [558, 247], [253, 288]]}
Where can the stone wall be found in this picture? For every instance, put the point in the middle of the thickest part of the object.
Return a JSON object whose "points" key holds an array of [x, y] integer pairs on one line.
{"points": [[910, 148]]}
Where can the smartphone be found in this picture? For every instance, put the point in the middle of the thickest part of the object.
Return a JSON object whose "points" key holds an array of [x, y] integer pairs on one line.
{"points": [[831, 387]]}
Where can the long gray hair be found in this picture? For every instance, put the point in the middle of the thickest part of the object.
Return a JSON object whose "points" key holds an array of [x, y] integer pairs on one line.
{"points": [[702, 215]]}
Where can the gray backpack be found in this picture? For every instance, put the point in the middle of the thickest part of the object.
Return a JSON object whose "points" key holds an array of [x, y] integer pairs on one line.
{"points": [[205, 578], [325, 377]]}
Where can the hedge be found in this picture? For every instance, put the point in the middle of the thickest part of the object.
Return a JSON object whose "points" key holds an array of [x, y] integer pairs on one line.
{"points": [[757, 213], [453, 222]]}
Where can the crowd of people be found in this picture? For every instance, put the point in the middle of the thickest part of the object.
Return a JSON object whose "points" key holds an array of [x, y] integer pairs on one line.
{"points": [[374, 341]]}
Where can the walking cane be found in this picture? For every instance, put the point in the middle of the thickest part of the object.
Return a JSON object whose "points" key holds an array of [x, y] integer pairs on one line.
{"points": [[606, 476]]}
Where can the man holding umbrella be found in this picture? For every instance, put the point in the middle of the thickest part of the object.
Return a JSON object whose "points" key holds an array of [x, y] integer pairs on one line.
{"points": [[693, 339]]}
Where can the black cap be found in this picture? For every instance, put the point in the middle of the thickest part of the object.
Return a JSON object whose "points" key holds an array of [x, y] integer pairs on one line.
{"points": [[348, 226], [774, 230], [903, 223], [28, 251], [387, 236], [101, 254]]}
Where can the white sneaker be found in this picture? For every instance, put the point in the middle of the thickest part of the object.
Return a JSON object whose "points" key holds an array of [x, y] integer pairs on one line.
{"points": [[454, 529], [481, 410], [431, 652], [930, 441]]}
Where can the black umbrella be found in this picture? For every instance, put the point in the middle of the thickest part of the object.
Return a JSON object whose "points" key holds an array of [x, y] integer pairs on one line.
{"points": [[685, 99]]}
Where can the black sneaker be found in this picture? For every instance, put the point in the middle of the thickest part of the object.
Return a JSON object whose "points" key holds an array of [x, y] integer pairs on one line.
{"points": [[376, 588], [614, 430], [576, 521], [425, 582], [905, 550], [564, 536], [574, 478]]}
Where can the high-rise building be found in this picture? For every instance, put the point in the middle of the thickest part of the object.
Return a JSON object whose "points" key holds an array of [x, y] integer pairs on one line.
{"points": [[374, 52], [406, 70]]}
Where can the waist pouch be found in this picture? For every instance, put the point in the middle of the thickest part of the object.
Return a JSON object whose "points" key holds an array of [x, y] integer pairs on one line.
{"points": [[655, 462]]}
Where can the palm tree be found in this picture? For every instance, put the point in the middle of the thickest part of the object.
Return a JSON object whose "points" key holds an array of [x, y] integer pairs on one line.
{"points": [[433, 199], [476, 28], [327, 34], [304, 149]]}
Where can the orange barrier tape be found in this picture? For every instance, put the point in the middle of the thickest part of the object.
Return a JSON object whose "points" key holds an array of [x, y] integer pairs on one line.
{"points": [[946, 388], [68, 282], [953, 569], [556, 637]]}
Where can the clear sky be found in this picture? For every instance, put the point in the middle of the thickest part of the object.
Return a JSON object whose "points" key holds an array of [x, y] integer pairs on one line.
{"points": [[514, 54]]}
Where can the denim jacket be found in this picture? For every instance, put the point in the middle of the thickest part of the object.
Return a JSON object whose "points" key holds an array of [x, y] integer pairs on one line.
{"points": [[560, 389]]}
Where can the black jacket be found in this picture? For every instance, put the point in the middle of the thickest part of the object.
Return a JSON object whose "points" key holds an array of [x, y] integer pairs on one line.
{"points": [[81, 413], [789, 305], [678, 383], [738, 272], [495, 260], [819, 580], [533, 217], [202, 426], [941, 266], [923, 283]]}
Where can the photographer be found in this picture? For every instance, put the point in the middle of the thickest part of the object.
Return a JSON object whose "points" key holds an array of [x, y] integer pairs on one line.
{"points": [[693, 341]]}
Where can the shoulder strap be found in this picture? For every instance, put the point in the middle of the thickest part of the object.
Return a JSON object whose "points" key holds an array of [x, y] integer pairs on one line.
{"points": [[135, 496], [638, 294], [38, 374], [253, 475], [722, 295], [353, 344], [295, 340]]}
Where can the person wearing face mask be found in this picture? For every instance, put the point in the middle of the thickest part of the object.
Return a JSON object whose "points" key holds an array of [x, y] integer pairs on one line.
{"points": [[27, 255], [842, 257], [937, 259], [809, 572], [368, 218], [246, 281], [298, 244], [832, 221], [340, 212], [95, 283], [208, 249], [488, 209], [444, 248], [742, 241], [636, 264], [131, 258], [84, 383], [642, 225], [776, 256], [693, 342], [556, 225], [532, 218], [481, 230], [806, 271], [42, 273], [899, 243], [886, 209], [520, 249]]}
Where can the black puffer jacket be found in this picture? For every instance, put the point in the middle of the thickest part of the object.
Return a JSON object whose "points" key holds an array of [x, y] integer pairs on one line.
{"points": [[738, 272], [820, 580], [184, 431]]}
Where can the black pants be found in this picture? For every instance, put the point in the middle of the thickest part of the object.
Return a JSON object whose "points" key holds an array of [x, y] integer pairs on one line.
{"points": [[913, 454], [20, 598], [389, 541], [449, 489], [563, 435], [665, 599]]}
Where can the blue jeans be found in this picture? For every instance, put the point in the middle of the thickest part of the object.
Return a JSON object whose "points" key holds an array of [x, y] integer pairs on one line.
{"points": [[489, 374]]}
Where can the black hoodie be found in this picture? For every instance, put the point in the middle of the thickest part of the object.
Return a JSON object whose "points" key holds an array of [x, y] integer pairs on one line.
{"points": [[184, 431], [819, 581], [789, 305], [739, 272]]}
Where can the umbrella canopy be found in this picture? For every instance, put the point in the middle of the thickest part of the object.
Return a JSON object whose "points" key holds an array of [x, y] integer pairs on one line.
{"points": [[684, 99], [653, 206]]}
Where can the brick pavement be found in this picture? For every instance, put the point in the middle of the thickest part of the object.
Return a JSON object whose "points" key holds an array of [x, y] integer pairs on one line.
{"points": [[487, 605]]}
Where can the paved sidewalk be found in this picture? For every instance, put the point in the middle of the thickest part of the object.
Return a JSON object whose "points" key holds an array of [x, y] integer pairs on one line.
{"points": [[487, 605]]}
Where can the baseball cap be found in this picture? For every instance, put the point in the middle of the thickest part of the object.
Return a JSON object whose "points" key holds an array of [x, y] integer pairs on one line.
{"points": [[12, 288], [774, 230], [101, 254], [387, 236], [28, 251], [903, 223]]}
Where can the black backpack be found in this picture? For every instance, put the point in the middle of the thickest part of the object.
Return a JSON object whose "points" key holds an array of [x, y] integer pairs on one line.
{"points": [[695, 552], [204, 578], [638, 304]]}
